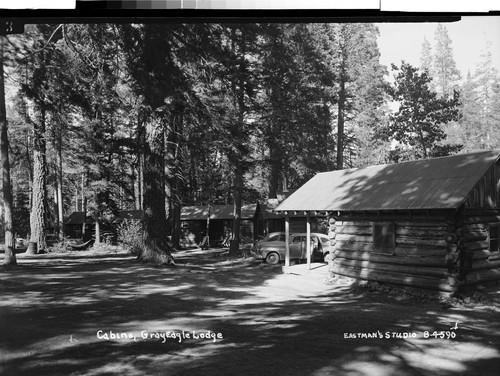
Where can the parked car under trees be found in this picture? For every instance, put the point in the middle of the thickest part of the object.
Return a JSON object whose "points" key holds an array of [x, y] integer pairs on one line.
{"points": [[272, 249]]}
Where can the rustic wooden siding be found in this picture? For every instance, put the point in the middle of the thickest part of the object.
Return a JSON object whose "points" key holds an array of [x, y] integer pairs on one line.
{"points": [[478, 264], [443, 253], [486, 193], [419, 258]]}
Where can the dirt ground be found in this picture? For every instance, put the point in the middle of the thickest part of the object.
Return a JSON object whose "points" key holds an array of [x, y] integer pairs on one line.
{"points": [[101, 313]]}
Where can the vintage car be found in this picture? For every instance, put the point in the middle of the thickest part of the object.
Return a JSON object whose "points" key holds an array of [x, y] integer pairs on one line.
{"points": [[271, 249]]}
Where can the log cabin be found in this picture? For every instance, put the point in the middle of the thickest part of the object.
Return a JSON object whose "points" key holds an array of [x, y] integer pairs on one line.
{"points": [[257, 220], [218, 219], [429, 224]]}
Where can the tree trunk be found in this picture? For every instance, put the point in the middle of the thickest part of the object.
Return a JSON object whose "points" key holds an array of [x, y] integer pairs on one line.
{"points": [[193, 183], [276, 171], [155, 247], [10, 254], [139, 188], [140, 194], [237, 158], [76, 198], [238, 189], [176, 222], [175, 214], [340, 124], [135, 187], [60, 210], [97, 231], [39, 194], [422, 141], [84, 205], [137, 184]]}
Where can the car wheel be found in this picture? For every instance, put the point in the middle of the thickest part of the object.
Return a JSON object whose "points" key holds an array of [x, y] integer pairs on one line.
{"points": [[273, 258]]}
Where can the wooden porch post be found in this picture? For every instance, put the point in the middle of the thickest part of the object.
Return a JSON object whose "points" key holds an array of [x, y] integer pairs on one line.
{"points": [[308, 240], [287, 240]]}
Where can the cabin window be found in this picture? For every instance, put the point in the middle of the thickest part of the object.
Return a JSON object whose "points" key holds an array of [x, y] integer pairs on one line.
{"points": [[383, 237], [494, 232]]}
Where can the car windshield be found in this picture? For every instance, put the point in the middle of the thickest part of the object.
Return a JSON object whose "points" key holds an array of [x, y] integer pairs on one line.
{"points": [[274, 237]]}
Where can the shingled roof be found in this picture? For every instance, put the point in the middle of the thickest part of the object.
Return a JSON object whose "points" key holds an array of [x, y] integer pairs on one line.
{"points": [[439, 183]]}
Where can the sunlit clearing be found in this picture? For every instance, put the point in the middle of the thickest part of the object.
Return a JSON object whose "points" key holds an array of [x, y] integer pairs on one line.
{"points": [[449, 357], [360, 368], [282, 287], [215, 313], [116, 368], [155, 288]]}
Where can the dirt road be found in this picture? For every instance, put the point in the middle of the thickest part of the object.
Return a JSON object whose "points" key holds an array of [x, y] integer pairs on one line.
{"points": [[95, 313]]}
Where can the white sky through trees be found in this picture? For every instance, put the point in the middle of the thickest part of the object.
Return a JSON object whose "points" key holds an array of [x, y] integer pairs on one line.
{"points": [[403, 41]]}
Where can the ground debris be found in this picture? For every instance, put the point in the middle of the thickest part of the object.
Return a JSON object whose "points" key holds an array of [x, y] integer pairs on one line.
{"points": [[447, 300]]}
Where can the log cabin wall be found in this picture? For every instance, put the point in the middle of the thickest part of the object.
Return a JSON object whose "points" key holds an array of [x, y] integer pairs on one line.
{"points": [[478, 231], [419, 255], [479, 260]]}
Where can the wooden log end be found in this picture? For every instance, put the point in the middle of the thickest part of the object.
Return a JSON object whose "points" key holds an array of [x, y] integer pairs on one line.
{"points": [[453, 280], [451, 258], [451, 238]]}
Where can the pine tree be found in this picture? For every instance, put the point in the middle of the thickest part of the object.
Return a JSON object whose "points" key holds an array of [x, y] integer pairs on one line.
{"points": [[38, 91], [480, 109], [239, 46], [426, 58], [361, 86], [156, 77], [485, 80], [290, 95], [421, 113], [9, 240], [368, 93], [445, 72]]}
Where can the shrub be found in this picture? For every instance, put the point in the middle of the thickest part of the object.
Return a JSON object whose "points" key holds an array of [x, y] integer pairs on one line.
{"points": [[130, 235], [59, 247], [104, 247]]}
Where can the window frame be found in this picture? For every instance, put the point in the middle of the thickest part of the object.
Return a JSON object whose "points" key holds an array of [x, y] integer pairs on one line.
{"points": [[384, 242], [494, 239]]}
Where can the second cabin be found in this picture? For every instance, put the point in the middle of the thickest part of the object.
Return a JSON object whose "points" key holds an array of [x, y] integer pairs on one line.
{"points": [[432, 224]]}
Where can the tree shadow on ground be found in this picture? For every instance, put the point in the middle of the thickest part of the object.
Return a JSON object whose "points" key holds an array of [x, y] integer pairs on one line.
{"points": [[271, 323]]}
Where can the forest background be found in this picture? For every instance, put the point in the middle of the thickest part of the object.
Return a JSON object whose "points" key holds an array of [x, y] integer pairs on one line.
{"points": [[153, 117]]}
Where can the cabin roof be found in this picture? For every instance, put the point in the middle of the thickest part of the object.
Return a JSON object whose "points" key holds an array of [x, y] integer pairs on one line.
{"points": [[76, 218], [439, 183], [129, 214], [191, 213]]}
